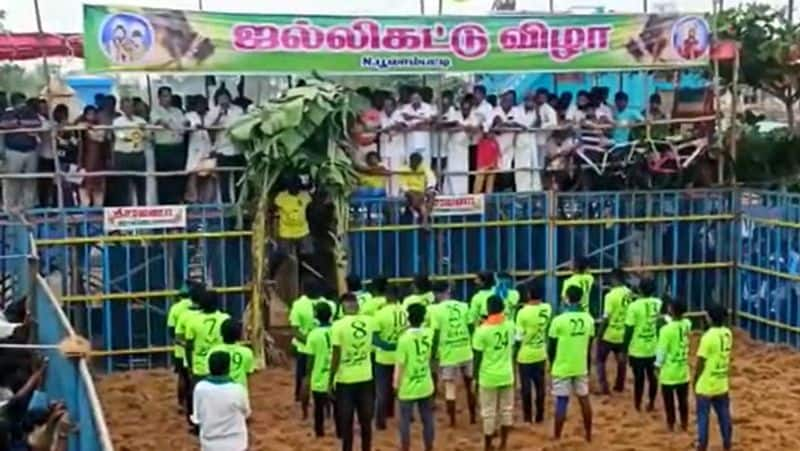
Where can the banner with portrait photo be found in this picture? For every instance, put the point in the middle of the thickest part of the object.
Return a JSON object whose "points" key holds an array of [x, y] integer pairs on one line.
{"points": [[136, 39]]}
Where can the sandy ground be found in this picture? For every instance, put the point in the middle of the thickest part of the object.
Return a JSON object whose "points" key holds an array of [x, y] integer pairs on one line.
{"points": [[140, 409]]}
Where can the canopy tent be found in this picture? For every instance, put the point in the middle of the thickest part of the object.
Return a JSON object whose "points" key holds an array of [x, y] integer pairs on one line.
{"points": [[25, 46]]}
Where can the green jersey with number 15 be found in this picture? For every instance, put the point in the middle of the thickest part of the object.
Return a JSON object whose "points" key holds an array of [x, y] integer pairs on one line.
{"points": [[204, 333], [414, 354]]}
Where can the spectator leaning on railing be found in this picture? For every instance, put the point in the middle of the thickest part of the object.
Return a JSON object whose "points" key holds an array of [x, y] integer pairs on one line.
{"points": [[222, 116], [170, 153], [20, 153], [129, 143]]}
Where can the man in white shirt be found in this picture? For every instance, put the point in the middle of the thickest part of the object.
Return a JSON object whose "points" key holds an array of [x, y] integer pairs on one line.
{"points": [[223, 115], [505, 126], [417, 116], [221, 408], [169, 149], [128, 155], [392, 140], [526, 154], [546, 120], [483, 109]]}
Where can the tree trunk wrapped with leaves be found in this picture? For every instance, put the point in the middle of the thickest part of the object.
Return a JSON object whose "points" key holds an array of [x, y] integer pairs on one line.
{"points": [[305, 131]]}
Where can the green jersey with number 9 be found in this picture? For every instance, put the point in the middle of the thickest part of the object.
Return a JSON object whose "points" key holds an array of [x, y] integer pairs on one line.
{"points": [[495, 342], [643, 315], [585, 282], [204, 333], [353, 335], [414, 354], [574, 332], [390, 322], [242, 362]]}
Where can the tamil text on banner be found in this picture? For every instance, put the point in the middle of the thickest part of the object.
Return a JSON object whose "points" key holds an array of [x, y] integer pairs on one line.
{"points": [[144, 218], [121, 38], [467, 204]]}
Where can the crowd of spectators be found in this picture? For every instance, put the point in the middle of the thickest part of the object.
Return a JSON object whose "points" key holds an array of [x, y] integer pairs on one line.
{"points": [[482, 143], [409, 144], [181, 137], [29, 419]]}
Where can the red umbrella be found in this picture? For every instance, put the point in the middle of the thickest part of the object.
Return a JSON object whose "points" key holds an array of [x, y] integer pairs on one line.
{"points": [[24, 46]]}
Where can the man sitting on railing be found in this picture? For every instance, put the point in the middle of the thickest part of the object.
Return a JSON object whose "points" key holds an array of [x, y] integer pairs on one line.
{"points": [[418, 184], [20, 153]]}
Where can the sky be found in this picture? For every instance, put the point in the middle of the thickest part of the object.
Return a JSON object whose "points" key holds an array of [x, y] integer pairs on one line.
{"points": [[66, 15]]}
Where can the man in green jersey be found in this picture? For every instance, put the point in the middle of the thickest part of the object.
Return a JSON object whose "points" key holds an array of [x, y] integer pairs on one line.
{"points": [[355, 286], [582, 279], [203, 333], [493, 343], [571, 334], [318, 347], [612, 331], [301, 319], [711, 379], [241, 357], [182, 323], [532, 321], [422, 292], [641, 335], [672, 361], [477, 305], [451, 320], [352, 338], [377, 297], [177, 310], [390, 322], [504, 288], [415, 386]]}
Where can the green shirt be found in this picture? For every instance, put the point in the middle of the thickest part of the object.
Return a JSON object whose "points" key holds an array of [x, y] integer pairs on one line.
{"points": [[319, 348], [715, 347], [353, 335], [574, 332], [362, 297], [204, 333], [451, 319], [477, 305], [643, 315], [242, 362], [414, 351], [615, 305], [390, 322], [532, 321], [673, 352], [301, 317], [496, 344], [181, 325], [372, 305], [585, 282], [511, 301], [175, 311], [425, 299]]}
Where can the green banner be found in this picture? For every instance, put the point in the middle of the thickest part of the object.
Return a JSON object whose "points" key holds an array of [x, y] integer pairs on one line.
{"points": [[142, 39]]}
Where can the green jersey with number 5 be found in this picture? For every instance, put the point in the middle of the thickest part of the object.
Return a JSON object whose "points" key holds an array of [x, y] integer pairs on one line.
{"points": [[532, 321], [495, 342], [452, 320], [353, 335], [574, 332], [390, 322], [643, 315], [204, 333]]}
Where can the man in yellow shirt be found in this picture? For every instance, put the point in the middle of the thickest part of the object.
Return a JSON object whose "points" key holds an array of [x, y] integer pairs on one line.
{"points": [[374, 176], [712, 378], [291, 205], [418, 185]]}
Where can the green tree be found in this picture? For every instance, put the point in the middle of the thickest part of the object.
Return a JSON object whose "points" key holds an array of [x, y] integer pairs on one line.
{"points": [[769, 51]]}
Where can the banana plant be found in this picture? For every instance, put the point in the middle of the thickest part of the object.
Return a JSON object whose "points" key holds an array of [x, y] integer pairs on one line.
{"points": [[304, 131]]}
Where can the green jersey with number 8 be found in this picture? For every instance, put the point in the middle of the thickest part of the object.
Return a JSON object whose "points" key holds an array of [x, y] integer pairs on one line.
{"points": [[643, 316], [353, 335], [204, 333]]}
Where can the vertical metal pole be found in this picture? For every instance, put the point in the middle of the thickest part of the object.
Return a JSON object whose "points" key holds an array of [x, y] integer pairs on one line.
{"points": [[644, 6], [422, 7], [48, 96], [717, 4], [552, 6], [734, 108]]}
